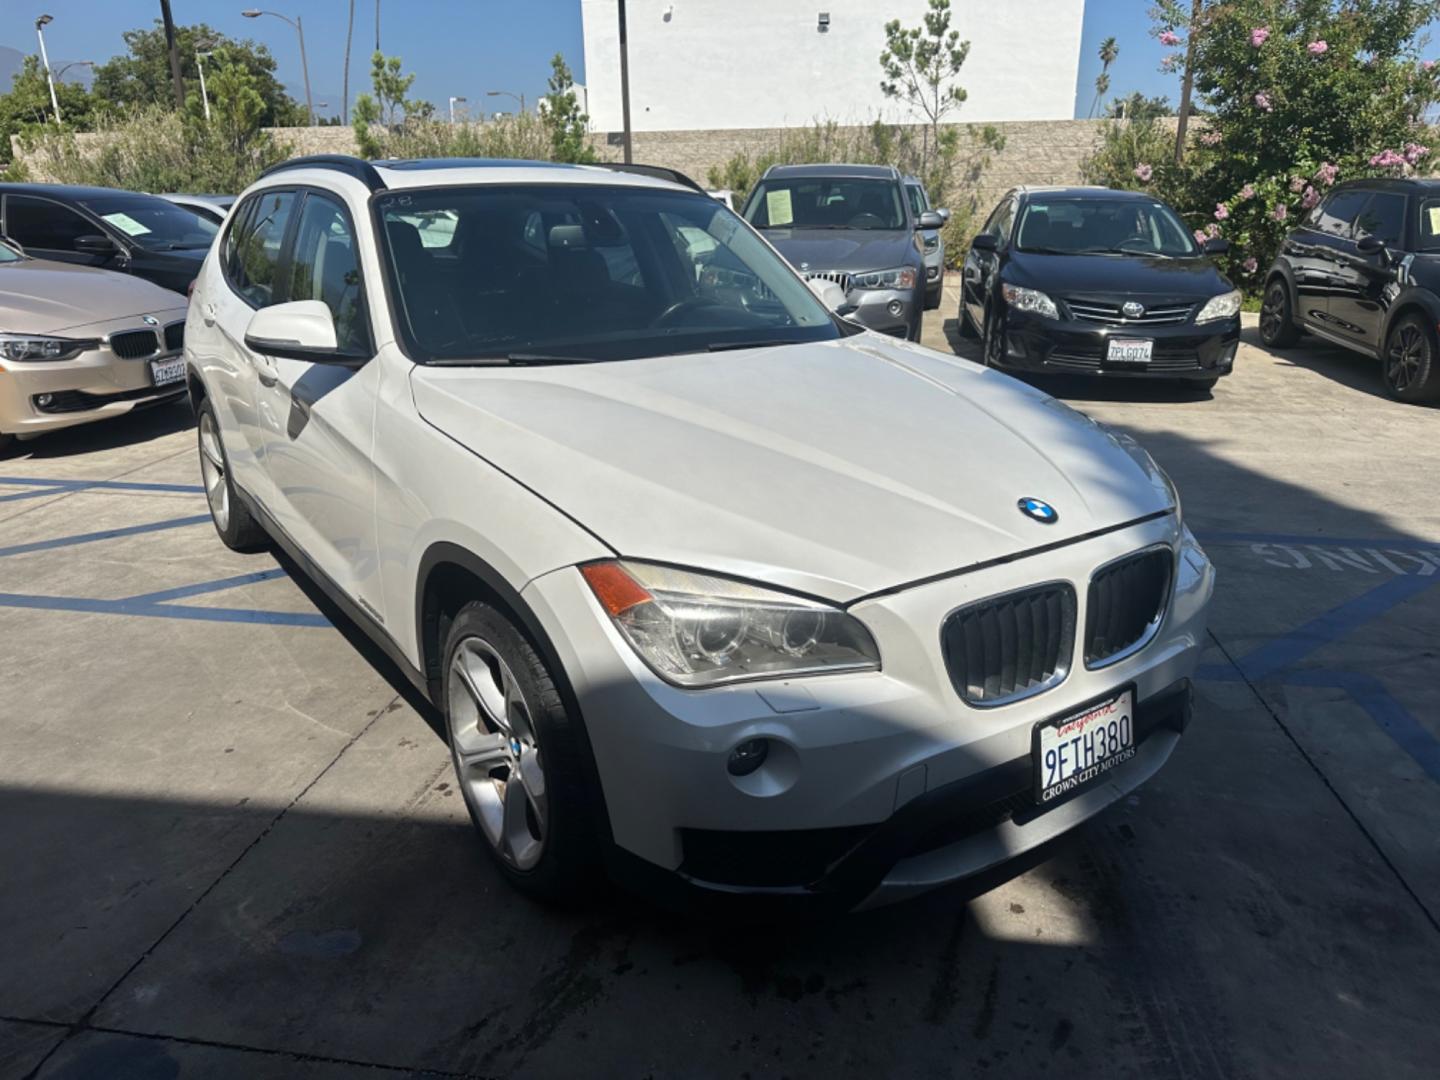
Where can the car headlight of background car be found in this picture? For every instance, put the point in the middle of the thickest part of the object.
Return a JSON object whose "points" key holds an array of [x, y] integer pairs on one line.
{"points": [[931, 241], [902, 277], [696, 630], [36, 347], [1224, 306], [1030, 300]]}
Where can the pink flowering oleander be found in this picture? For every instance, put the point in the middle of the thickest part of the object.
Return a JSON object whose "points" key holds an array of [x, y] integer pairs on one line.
{"points": [[1171, 62], [1221, 211], [1279, 213], [1246, 192], [1427, 64], [1250, 265], [1212, 230], [1169, 37], [1318, 48], [1263, 102], [1388, 159], [1414, 152], [1210, 138], [1258, 35], [1143, 172], [1199, 236], [1297, 184], [1326, 173], [1310, 198]]}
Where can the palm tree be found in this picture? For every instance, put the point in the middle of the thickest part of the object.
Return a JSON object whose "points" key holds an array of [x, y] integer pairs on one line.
{"points": [[1109, 50], [345, 103]]}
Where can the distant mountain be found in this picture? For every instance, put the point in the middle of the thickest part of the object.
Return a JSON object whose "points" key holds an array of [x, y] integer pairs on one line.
{"points": [[13, 60]]}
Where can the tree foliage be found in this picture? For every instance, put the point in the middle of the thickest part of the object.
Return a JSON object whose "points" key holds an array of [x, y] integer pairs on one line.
{"points": [[561, 115], [27, 108], [919, 66], [383, 112], [141, 76]]}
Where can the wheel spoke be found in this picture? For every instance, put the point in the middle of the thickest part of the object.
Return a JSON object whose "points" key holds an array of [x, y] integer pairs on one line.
{"points": [[482, 751], [518, 839], [477, 672], [531, 777]]}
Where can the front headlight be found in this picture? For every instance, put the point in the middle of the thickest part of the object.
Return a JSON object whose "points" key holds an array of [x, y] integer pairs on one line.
{"points": [[1224, 306], [34, 347], [1032, 300], [902, 277], [696, 630], [931, 241]]}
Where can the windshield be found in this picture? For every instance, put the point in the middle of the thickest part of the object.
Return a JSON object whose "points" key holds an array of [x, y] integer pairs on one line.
{"points": [[550, 272], [154, 224], [812, 203], [9, 254], [1109, 226]]}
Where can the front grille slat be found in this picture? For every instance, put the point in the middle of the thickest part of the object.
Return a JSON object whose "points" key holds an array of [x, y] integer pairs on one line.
{"points": [[134, 344], [1011, 646], [1166, 314], [839, 277], [1126, 602], [175, 337]]}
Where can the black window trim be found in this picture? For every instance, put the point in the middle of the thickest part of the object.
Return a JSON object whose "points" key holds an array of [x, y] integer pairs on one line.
{"points": [[122, 243]]}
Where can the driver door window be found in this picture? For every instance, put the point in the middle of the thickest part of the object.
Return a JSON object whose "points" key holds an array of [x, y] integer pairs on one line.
{"points": [[324, 267], [39, 225]]}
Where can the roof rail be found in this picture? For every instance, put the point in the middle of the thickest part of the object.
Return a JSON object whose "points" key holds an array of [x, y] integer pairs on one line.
{"points": [[655, 172], [360, 169]]}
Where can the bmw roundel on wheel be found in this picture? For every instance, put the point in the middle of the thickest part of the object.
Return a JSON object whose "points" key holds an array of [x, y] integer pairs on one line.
{"points": [[717, 592]]}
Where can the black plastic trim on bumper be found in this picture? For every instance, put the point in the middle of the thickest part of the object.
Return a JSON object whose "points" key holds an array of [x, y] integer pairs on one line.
{"points": [[846, 864], [1182, 351]]}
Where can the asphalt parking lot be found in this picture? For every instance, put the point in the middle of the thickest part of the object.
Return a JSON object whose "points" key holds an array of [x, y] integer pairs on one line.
{"points": [[231, 847]]}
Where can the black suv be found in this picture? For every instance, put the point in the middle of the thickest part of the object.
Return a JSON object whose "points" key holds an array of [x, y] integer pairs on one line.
{"points": [[127, 231], [1363, 271]]}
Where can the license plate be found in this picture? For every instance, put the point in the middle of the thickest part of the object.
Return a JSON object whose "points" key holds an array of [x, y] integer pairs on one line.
{"points": [[1074, 750], [1129, 351], [164, 372]]}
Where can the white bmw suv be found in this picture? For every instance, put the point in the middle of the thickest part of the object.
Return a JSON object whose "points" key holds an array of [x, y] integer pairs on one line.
{"points": [[716, 591]]}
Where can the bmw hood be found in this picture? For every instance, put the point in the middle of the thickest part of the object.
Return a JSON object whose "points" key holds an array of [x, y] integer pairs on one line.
{"points": [[1108, 276], [844, 249], [836, 469], [38, 296]]}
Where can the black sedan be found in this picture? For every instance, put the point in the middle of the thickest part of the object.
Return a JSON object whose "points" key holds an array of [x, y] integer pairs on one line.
{"points": [[127, 231], [1098, 282]]}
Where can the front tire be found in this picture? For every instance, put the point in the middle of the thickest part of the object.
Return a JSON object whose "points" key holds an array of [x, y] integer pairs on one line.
{"points": [[519, 757], [1412, 367], [991, 341], [1277, 317], [236, 528]]}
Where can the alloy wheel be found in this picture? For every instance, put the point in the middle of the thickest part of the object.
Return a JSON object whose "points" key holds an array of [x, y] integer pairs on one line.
{"points": [[497, 760], [212, 471], [1272, 313], [1405, 356]]}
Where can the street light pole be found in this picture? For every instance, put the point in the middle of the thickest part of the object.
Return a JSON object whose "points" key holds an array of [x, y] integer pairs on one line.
{"points": [[453, 100], [40, 24], [625, 82], [255, 13], [200, 58], [506, 93]]}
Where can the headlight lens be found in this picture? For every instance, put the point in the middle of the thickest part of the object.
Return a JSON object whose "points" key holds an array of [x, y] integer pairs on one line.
{"points": [[1032, 300], [33, 347], [1224, 306], [696, 630], [932, 241], [902, 277]]}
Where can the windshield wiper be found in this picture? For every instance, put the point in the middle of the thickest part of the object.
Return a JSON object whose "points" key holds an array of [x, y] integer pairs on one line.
{"points": [[1050, 251], [727, 346], [515, 359]]}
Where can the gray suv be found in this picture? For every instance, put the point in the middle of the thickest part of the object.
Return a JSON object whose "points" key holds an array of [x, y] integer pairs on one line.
{"points": [[853, 225]]}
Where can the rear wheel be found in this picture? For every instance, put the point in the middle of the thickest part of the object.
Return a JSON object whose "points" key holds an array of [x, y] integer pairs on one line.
{"points": [[236, 528], [963, 323], [1412, 373], [518, 756], [1277, 318], [992, 340]]}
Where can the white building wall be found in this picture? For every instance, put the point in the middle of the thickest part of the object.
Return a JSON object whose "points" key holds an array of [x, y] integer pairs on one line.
{"points": [[705, 64]]}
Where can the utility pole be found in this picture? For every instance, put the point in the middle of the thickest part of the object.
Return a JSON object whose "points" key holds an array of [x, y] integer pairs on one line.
{"points": [[174, 52], [1188, 85], [377, 25], [345, 102], [625, 82], [40, 25]]}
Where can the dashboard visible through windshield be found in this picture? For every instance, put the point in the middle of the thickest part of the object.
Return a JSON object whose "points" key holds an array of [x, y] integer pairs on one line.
{"points": [[1081, 226]]}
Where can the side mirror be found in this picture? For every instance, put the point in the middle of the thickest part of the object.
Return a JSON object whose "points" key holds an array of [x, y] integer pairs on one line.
{"points": [[299, 330], [984, 242], [944, 213], [1217, 245], [829, 293], [929, 220], [95, 244], [1370, 245]]}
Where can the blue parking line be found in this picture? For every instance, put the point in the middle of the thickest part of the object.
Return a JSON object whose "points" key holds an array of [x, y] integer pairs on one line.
{"points": [[104, 534], [104, 485], [149, 610], [183, 591], [16, 496], [1391, 717]]}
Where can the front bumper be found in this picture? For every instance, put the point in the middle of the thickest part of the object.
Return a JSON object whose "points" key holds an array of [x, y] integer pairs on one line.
{"points": [[880, 785], [889, 311], [1071, 346], [95, 385]]}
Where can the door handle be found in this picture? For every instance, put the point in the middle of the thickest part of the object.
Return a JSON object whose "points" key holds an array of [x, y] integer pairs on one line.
{"points": [[208, 314], [266, 378]]}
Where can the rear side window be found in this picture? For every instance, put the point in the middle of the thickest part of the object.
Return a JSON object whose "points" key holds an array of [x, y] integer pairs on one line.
{"points": [[916, 198], [1338, 212], [324, 267], [1430, 224], [253, 246], [45, 225], [1383, 217]]}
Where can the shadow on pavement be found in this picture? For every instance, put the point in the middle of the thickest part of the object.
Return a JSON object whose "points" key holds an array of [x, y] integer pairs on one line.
{"points": [[130, 429]]}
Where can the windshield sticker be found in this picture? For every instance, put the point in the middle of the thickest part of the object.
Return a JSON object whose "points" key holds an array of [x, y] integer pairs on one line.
{"points": [[126, 224], [1434, 215], [778, 210]]}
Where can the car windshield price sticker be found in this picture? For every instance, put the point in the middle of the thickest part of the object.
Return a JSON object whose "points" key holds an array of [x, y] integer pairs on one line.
{"points": [[1082, 747], [778, 210]]}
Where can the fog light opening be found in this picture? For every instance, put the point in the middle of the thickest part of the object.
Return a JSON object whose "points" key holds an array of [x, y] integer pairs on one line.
{"points": [[896, 308], [748, 756], [44, 400]]}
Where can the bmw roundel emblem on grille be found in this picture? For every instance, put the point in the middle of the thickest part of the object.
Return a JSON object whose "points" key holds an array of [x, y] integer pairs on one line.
{"points": [[1131, 310], [149, 320], [1040, 511]]}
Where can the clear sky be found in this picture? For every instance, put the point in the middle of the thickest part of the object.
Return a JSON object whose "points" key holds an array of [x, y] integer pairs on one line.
{"points": [[465, 47]]}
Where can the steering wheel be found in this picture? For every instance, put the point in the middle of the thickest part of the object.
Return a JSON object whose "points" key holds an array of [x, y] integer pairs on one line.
{"points": [[689, 303]]}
